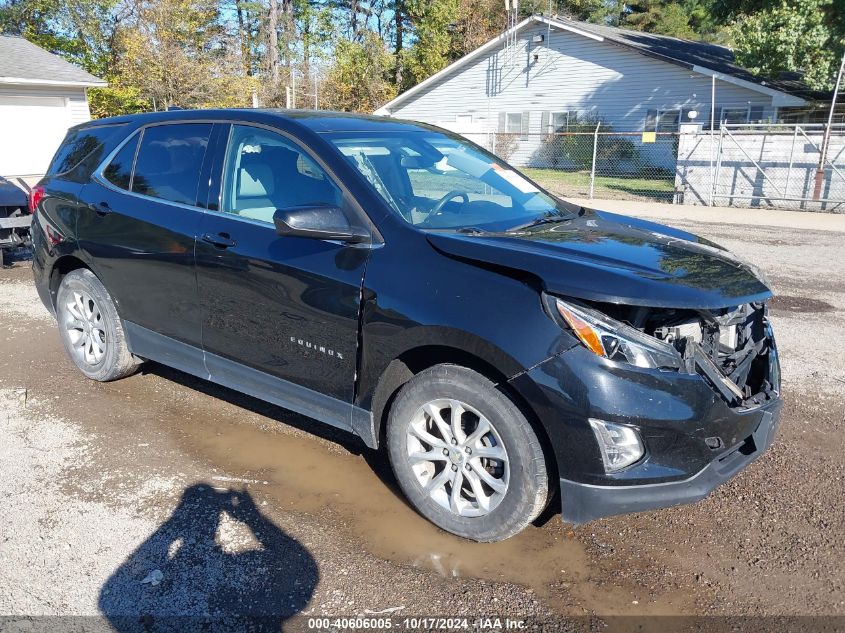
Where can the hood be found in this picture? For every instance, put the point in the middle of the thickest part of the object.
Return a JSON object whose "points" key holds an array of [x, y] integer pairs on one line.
{"points": [[600, 256]]}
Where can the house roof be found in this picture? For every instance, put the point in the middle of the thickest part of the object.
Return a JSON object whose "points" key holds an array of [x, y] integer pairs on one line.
{"points": [[713, 57], [701, 57], [22, 62]]}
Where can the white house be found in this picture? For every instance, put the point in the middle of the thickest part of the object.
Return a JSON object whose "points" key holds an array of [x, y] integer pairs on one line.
{"points": [[547, 72], [41, 96]]}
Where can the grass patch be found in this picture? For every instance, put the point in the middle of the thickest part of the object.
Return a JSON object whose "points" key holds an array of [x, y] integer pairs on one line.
{"points": [[576, 184]]}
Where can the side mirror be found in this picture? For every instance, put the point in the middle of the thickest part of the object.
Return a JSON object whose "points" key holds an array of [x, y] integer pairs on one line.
{"points": [[321, 222]]}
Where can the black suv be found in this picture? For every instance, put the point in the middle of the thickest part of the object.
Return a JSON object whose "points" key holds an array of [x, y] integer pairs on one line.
{"points": [[397, 281]]}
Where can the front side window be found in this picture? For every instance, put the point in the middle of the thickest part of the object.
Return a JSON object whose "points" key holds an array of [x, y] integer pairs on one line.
{"points": [[265, 171], [169, 161], [434, 180]]}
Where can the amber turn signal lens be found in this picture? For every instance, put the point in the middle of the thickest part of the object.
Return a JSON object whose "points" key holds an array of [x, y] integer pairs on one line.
{"points": [[582, 330]]}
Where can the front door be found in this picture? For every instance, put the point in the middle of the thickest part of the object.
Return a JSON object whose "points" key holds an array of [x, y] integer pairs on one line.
{"points": [[279, 314]]}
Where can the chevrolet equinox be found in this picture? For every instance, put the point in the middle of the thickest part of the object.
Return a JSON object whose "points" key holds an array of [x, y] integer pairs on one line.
{"points": [[399, 282]]}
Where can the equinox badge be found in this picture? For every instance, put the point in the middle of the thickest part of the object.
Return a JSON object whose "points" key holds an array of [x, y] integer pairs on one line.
{"points": [[317, 348]]}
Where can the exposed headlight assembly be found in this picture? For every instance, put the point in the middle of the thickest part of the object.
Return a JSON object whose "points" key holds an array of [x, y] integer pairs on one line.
{"points": [[615, 340]]}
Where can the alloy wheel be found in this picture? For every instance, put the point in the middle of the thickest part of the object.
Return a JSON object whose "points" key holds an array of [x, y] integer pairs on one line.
{"points": [[86, 328], [458, 457]]}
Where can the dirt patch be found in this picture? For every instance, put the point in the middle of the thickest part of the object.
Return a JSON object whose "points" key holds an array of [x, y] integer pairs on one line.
{"points": [[791, 303], [107, 482]]}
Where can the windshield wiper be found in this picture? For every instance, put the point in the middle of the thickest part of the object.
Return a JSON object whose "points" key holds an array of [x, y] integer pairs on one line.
{"points": [[471, 230], [539, 222]]}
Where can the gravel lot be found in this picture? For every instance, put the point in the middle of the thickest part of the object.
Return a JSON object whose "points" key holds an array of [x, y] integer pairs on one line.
{"points": [[227, 506]]}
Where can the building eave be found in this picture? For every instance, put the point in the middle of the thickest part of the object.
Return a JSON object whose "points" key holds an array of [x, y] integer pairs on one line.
{"points": [[779, 98], [21, 81]]}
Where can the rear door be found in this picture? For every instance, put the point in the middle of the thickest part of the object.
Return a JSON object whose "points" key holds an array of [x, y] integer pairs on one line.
{"points": [[138, 231], [279, 314]]}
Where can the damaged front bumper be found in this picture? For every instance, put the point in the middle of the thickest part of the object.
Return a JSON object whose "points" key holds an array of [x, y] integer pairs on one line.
{"points": [[697, 430], [586, 502]]}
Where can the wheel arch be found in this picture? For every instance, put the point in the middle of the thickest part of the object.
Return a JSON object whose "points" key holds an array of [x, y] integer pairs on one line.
{"points": [[61, 267], [417, 359]]}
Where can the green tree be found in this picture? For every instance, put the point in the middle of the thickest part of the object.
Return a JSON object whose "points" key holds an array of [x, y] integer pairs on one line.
{"points": [[360, 79], [81, 31], [431, 21], [658, 16], [806, 36]]}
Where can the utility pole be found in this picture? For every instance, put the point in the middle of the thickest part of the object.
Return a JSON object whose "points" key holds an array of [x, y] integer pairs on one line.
{"points": [[316, 103], [817, 192]]}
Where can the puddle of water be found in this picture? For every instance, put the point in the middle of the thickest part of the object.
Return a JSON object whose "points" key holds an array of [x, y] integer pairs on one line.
{"points": [[303, 473]]}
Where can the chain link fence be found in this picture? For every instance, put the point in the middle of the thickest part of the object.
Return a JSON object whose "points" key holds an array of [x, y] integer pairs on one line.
{"points": [[763, 165], [591, 163], [766, 165]]}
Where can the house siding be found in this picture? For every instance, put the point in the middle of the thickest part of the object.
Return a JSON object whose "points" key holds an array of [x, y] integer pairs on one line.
{"points": [[573, 73]]}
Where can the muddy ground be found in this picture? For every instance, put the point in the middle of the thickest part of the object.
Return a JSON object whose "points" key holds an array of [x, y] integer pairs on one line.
{"points": [[226, 505]]}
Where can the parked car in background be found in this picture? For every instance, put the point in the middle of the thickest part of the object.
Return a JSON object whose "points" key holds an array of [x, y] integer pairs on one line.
{"points": [[397, 281], [14, 217]]}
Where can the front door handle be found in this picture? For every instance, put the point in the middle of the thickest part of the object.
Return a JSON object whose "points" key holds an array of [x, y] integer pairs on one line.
{"points": [[103, 208], [220, 240]]}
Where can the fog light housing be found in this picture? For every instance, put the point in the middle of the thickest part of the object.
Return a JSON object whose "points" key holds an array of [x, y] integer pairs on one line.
{"points": [[620, 445]]}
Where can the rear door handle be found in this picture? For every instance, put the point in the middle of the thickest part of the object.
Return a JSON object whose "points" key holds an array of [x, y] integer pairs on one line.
{"points": [[103, 208], [220, 240]]}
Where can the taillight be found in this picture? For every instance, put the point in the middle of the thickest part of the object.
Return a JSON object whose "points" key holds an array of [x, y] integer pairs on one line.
{"points": [[35, 197]]}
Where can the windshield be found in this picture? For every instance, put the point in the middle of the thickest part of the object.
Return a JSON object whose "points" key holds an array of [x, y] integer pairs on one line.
{"points": [[441, 181]]}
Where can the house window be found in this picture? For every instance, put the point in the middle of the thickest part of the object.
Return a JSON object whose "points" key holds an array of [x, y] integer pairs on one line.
{"points": [[560, 121], [735, 115], [513, 123], [668, 120]]}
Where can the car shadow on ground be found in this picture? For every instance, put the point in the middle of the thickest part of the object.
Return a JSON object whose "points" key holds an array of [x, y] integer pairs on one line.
{"points": [[217, 563]]}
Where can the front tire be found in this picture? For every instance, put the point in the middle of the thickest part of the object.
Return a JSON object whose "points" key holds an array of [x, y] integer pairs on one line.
{"points": [[465, 456], [91, 329]]}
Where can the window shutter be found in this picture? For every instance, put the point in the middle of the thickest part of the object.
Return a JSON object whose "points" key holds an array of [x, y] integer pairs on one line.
{"points": [[651, 121], [502, 122], [526, 118], [756, 114], [545, 123]]}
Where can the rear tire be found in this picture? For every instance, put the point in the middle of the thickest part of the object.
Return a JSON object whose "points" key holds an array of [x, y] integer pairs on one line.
{"points": [[480, 473], [91, 329]]}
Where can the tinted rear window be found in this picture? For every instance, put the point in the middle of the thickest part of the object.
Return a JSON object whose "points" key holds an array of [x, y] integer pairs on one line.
{"points": [[169, 161], [82, 150], [119, 170]]}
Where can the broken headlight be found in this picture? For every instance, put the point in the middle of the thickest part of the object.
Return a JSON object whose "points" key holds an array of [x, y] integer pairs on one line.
{"points": [[615, 340]]}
